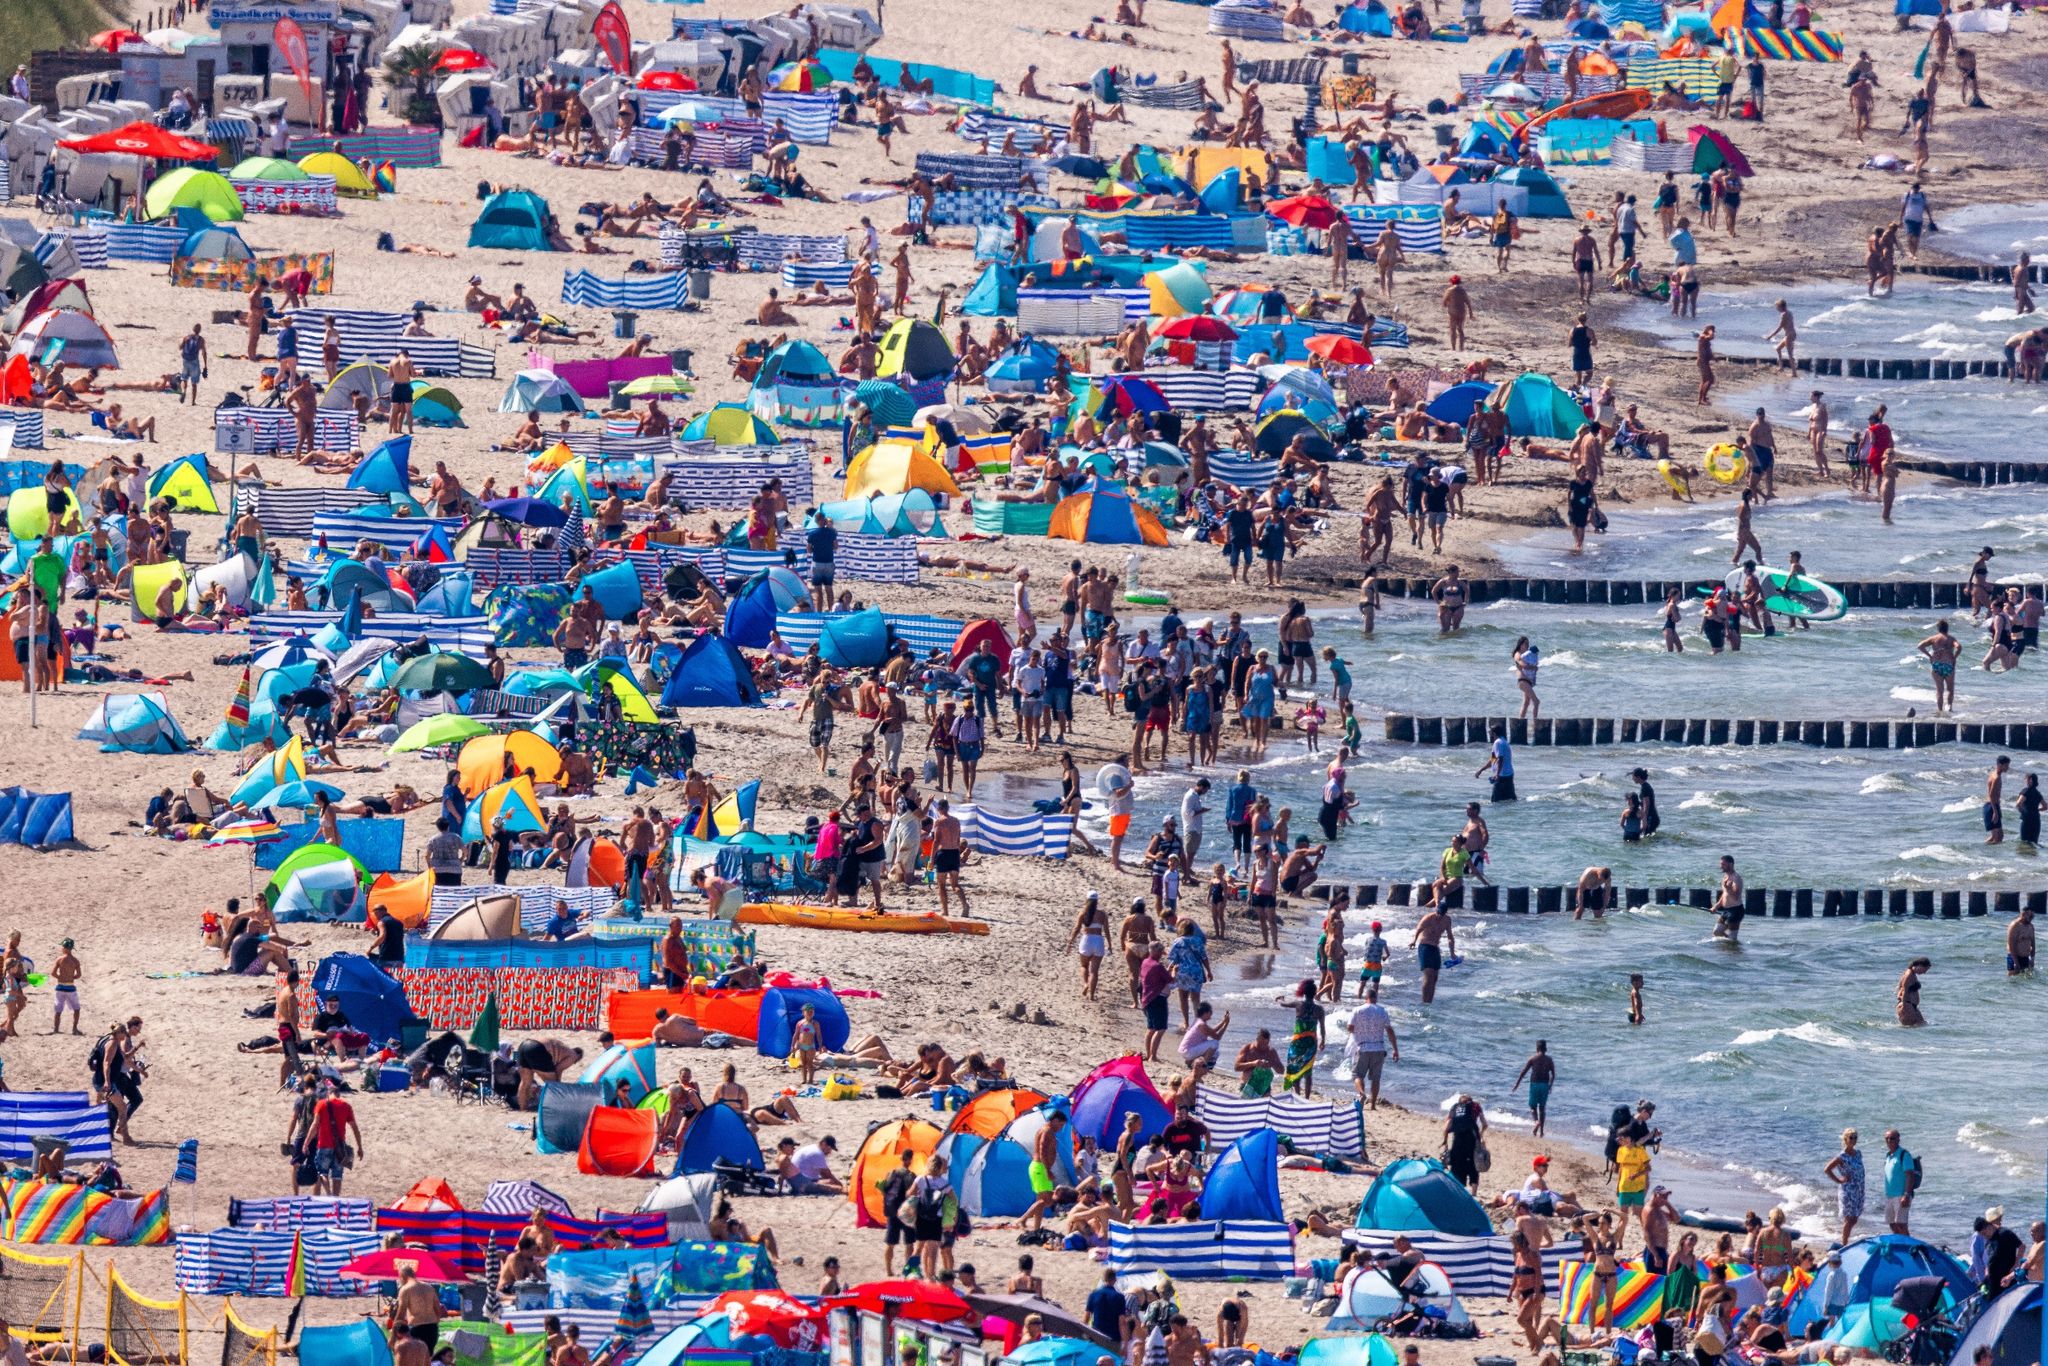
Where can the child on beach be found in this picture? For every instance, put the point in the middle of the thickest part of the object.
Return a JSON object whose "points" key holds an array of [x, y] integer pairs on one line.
{"points": [[1222, 891], [1375, 961], [1340, 678], [1308, 719], [803, 1044], [1632, 820], [1353, 737]]}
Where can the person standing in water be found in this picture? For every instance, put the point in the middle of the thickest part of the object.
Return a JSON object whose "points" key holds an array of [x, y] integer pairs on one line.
{"points": [[1647, 795], [1942, 650], [1908, 993], [1433, 933], [1728, 906], [2030, 803], [1527, 658], [1994, 801], [1541, 1070], [1635, 999], [1502, 762], [2019, 936]]}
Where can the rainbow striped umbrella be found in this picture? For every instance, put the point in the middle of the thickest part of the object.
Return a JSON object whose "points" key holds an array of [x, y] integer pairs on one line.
{"points": [[246, 832]]}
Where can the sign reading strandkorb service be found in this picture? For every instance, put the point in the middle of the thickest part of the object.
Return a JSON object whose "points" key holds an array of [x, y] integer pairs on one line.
{"points": [[219, 16]]}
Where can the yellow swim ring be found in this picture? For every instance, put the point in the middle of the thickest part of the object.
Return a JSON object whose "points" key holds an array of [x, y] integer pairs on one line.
{"points": [[1724, 463], [1670, 473]]}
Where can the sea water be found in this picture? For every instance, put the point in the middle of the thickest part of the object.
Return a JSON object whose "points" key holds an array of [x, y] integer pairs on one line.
{"points": [[1938, 527], [1758, 1055], [1995, 233], [1611, 662], [1921, 318], [1952, 419]]}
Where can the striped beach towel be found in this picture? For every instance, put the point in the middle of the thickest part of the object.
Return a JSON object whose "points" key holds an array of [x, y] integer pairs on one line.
{"points": [[1165, 95], [1209, 1250], [66, 1116]]}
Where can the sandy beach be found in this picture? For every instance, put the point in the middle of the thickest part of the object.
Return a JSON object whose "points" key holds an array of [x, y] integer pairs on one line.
{"points": [[134, 902]]}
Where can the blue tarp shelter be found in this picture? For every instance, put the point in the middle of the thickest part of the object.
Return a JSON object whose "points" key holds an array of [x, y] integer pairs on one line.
{"points": [[750, 616], [1416, 1193], [717, 1134], [35, 820], [782, 1007], [373, 1002], [711, 673], [1245, 1182], [135, 723]]}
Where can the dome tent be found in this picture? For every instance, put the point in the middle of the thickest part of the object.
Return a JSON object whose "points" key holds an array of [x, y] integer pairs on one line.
{"points": [[857, 640], [797, 385], [910, 513], [711, 673], [538, 391], [1244, 1183], [1875, 1266], [511, 220], [881, 1153], [1368, 1296], [717, 1134], [135, 723], [915, 348], [86, 345], [1536, 406], [1103, 514], [783, 1007], [995, 1182], [895, 466], [274, 169], [1546, 200], [2009, 1325], [730, 424], [348, 177], [1117, 1088], [188, 187], [1417, 1194]]}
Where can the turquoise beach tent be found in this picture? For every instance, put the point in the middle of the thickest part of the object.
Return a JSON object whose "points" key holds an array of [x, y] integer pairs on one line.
{"points": [[630, 1063], [711, 673], [135, 723], [1875, 1266], [1346, 1349], [1536, 406], [856, 640], [1053, 1351], [1417, 1194], [512, 220], [910, 513], [616, 589], [1546, 200]]}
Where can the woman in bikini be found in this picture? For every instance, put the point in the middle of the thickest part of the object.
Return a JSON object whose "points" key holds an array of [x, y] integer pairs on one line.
{"points": [[1091, 932]]}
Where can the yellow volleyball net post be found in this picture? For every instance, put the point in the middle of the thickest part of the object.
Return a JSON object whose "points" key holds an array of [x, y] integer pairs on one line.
{"points": [[142, 1331], [41, 1297], [246, 1345]]}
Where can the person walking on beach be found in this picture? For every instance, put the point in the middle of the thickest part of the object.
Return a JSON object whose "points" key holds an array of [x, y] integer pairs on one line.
{"points": [[1541, 1070], [1902, 1180], [65, 972], [1845, 1169], [1458, 311], [1372, 1041], [1909, 993], [1785, 337], [1942, 650], [1728, 908]]}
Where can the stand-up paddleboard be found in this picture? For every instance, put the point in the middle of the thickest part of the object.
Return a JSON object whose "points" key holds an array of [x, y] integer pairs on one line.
{"points": [[1794, 595]]}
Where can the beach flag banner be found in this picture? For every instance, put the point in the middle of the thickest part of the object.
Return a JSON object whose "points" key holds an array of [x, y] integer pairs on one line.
{"points": [[615, 36], [1638, 1298], [1789, 44], [287, 37], [188, 1155]]}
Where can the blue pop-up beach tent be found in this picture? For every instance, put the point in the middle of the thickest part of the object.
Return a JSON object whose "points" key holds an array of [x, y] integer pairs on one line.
{"points": [[711, 673]]}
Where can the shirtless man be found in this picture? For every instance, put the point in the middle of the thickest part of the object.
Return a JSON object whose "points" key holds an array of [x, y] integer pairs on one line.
{"points": [[1376, 523], [401, 393], [1728, 903], [1786, 337], [1458, 311], [287, 1027], [1994, 801], [1477, 838], [1703, 355], [1433, 934], [416, 1308], [1595, 892], [2019, 944], [1817, 431], [1339, 235], [947, 850], [65, 972], [772, 313], [1386, 254], [1942, 651], [1763, 458]]}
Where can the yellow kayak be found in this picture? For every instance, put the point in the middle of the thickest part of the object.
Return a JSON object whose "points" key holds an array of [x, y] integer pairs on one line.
{"points": [[834, 918]]}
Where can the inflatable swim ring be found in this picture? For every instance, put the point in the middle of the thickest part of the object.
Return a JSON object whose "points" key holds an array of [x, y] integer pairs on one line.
{"points": [[1724, 464], [1149, 599], [1670, 473], [1112, 779]]}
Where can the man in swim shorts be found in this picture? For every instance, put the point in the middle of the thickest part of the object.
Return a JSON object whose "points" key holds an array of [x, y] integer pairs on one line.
{"points": [[1728, 903], [1994, 801], [1763, 448], [1431, 933], [2019, 944], [1045, 1151], [65, 972], [1541, 1070]]}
